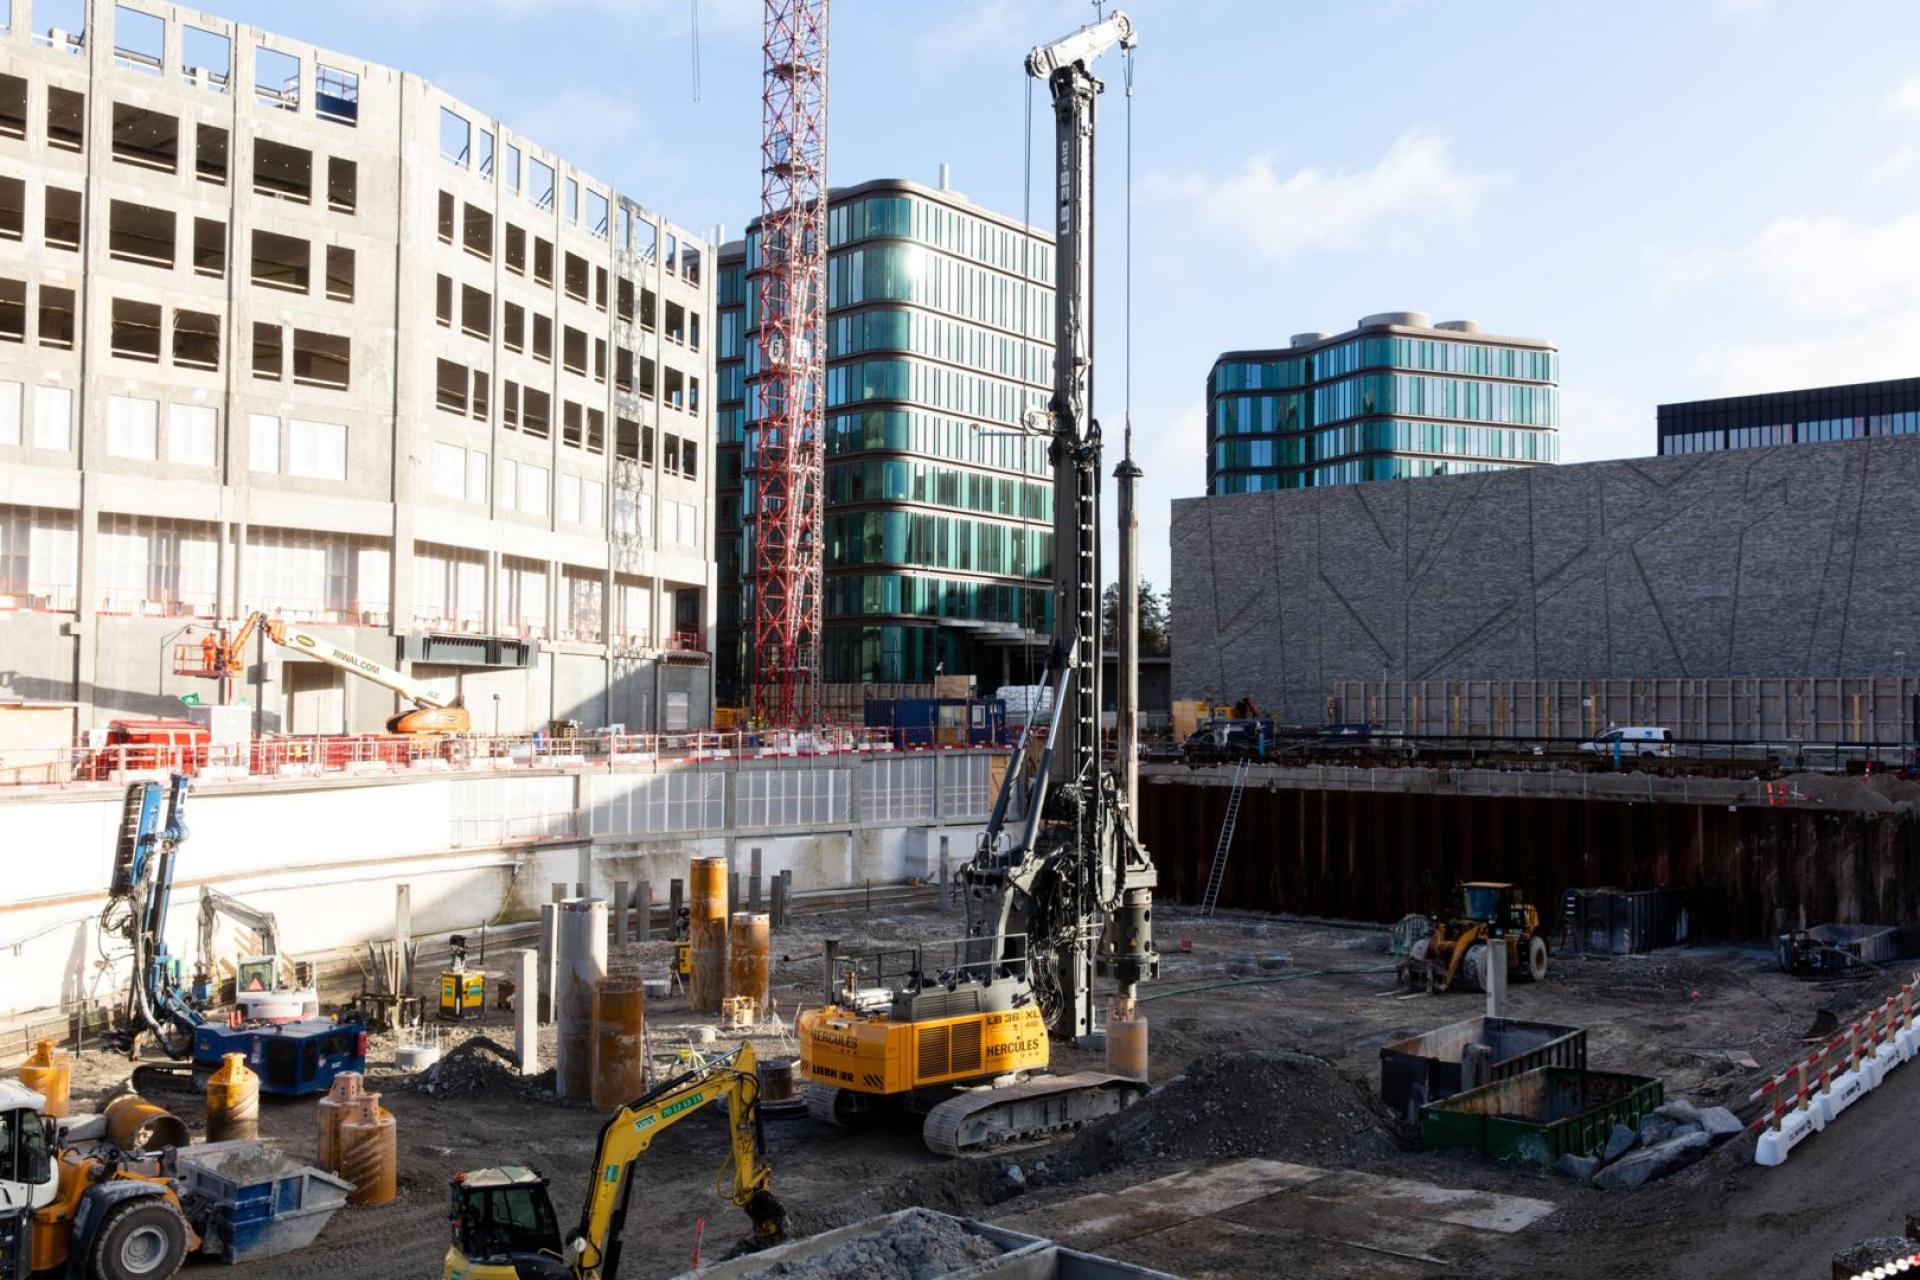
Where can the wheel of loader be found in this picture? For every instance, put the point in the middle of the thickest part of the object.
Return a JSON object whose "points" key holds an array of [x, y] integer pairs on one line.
{"points": [[143, 1240], [1533, 963], [1473, 969]]}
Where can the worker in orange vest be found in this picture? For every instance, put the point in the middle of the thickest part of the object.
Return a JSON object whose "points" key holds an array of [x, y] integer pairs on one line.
{"points": [[210, 655]]}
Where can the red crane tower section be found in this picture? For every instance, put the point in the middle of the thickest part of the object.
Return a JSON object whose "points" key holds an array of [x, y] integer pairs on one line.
{"points": [[790, 455]]}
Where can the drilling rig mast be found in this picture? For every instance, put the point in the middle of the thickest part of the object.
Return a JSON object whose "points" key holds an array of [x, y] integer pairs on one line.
{"points": [[788, 454]]}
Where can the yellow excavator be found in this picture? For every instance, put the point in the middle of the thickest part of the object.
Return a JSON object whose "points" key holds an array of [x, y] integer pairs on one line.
{"points": [[503, 1222], [434, 710]]}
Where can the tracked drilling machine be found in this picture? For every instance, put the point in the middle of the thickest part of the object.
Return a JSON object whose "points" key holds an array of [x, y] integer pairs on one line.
{"points": [[1059, 888]]}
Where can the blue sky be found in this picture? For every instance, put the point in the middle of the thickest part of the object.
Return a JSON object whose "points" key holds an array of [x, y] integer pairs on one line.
{"points": [[1690, 197]]}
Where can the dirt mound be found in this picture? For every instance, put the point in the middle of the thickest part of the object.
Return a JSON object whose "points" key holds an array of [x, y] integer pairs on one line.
{"points": [[478, 1068], [1269, 1103], [917, 1246]]}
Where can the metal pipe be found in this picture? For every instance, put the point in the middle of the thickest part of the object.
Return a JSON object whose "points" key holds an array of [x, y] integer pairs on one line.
{"points": [[1126, 623]]}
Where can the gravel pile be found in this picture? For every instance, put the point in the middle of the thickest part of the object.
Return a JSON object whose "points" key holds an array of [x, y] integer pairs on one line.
{"points": [[918, 1246], [1269, 1103], [478, 1068]]}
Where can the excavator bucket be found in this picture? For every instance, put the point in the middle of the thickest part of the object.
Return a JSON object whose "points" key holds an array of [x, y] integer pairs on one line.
{"points": [[769, 1217]]}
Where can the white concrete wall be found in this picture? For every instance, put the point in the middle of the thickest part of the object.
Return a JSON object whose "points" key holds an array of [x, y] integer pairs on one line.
{"points": [[324, 856]]}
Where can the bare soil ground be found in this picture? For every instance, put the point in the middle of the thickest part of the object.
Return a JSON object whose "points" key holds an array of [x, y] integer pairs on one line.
{"points": [[1688, 1016]]}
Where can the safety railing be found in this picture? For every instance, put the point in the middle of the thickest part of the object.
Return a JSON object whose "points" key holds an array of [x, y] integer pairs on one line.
{"points": [[1810, 1095], [361, 754]]}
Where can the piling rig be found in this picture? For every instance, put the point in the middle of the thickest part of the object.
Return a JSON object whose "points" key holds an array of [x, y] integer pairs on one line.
{"points": [[1059, 889]]}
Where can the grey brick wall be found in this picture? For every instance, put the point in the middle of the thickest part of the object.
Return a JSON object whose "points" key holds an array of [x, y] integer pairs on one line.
{"points": [[1795, 561]]}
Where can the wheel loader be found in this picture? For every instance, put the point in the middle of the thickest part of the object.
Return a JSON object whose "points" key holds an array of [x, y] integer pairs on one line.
{"points": [[1483, 914]]}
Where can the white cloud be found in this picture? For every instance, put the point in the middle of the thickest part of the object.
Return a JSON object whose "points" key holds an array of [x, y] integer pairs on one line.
{"points": [[1901, 164], [1822, 266], [1596, 424], [1414, 187], [1743, 8], [1848, 291], [1904, 102], [977, 32], [1888, 348]]}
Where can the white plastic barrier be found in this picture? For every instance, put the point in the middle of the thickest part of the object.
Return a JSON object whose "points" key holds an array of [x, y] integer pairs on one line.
{"points": [[1835, 1076]]}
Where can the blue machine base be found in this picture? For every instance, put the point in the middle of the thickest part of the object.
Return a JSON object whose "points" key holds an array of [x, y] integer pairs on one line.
{"points": [[292, 1059]]}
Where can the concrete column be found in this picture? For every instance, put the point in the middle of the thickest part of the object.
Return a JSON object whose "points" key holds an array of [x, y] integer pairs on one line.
{"points": [[547, 950], [1497, 978], [525, 967], [733, 891], [622, 908], [779, 914], [581, 944], [643, 904], [676, 898], [753, 879], [559, 889]]}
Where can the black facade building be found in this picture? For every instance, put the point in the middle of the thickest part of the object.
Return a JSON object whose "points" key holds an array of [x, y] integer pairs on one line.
{"points": [[1811, 416]]}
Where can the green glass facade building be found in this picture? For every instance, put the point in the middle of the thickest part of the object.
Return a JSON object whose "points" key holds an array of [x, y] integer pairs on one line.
{"points": [[1393, 398], [939, 520]]}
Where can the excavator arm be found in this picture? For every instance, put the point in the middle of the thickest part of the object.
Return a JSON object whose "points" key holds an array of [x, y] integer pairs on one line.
{"points": [[594, 1249]]}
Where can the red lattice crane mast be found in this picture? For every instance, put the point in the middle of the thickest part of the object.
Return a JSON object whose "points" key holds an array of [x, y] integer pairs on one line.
{"points": [[790, 458]]}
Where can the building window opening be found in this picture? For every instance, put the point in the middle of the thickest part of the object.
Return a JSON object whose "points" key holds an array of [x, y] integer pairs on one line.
{"points": [[539, 183], [209, 247], [478, 232], [484, 157], [516, 252], [137, 233], [339, 273], [149, 139], [136, 330], [13, 106], [543, 261], [139, 40], [62, 224], [206, 58], [276, 79], [13, 311], [196, 339], [282, 171], [210, 154], [267, 359], [13, 209], [450, 386], [576, 281], [476, 312], [56, 317], [60, 25], [456, 137], [66, 119], [281, 262], [336, 95], [343, 185], [322, 359]]}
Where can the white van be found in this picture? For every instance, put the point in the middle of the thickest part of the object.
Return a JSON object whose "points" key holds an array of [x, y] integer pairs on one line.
{"points": [[1632, 740]]}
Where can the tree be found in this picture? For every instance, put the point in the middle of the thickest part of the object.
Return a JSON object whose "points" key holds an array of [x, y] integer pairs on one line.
{"points": [[1154, 641]]}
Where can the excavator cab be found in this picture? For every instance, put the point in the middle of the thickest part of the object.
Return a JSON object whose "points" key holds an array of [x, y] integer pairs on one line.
{"points": [[504, 1228]]}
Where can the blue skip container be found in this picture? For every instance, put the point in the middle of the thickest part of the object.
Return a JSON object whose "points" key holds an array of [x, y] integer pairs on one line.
{"points": [[249, 1201]]}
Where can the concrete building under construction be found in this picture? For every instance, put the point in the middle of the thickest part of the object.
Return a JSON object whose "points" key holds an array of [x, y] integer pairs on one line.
{"points": [[475, 447]]}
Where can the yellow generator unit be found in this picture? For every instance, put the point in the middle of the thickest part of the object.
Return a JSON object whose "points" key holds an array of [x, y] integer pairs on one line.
{"points": [[463, 991]]}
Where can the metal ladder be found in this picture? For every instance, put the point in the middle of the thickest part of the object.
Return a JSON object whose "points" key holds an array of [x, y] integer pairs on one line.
{"points": [[1217, 873]]}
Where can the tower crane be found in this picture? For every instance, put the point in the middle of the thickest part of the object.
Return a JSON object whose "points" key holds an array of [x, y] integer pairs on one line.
{"points": [[1060, 890]]}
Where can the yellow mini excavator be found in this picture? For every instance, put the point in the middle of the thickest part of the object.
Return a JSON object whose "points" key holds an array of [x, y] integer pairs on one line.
{"points": [[503, 1222]]}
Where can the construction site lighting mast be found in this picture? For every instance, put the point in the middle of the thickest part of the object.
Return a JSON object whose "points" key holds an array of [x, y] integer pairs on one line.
{"points": [[789, 455]]}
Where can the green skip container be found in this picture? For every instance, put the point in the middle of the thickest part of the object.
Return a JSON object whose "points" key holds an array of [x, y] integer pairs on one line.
{"points": [[1539, 1115]]}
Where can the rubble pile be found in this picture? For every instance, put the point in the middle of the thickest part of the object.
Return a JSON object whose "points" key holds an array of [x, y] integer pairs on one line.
{"points": [[918, 1245], [1270, 1103], [479, 1068]]}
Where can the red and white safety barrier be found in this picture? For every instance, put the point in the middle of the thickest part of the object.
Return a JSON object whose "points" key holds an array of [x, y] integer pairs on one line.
{"points": [[1811, 1094], [1895, 1267]]}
